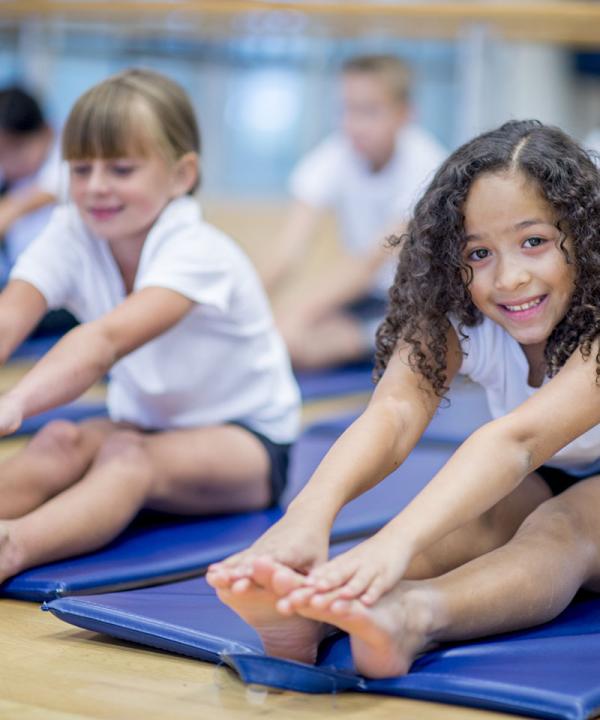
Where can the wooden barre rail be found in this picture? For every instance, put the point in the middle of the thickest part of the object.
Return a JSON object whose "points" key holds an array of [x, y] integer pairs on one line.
{"points": [[552, 21]]}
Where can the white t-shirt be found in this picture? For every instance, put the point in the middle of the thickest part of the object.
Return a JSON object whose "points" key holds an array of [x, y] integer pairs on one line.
{"points": [[224, 361], [495, 359], [52, 177], [368, 204]]}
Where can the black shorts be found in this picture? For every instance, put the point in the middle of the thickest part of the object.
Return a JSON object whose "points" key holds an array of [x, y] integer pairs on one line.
{"points": [[560, 480], [279, 457]]}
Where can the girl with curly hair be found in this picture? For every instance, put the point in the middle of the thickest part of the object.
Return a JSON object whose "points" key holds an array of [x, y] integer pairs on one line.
{"points": [[498, 278]]}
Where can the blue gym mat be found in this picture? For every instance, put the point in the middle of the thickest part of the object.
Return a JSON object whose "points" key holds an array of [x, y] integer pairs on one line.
{"points": [[341, 380], [75, 412], [163, 548], [33, 348], [550, 671]]}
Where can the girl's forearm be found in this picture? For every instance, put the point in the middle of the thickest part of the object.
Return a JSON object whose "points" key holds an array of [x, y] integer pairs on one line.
{"points": [[369, 450], [486, 468], [74, 364]]}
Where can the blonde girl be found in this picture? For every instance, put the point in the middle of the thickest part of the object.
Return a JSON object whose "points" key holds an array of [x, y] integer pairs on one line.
{"points": [[201, 399]]}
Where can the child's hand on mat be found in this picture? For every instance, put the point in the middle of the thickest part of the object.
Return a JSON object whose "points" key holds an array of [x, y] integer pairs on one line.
{"points": [[365, 573], [290, 542], [11, 415]]}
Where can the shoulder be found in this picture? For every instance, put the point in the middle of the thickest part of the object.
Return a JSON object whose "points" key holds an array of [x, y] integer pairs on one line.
{"points": [[484, 347], [419, 145], [329, 154], [182, 230], [317, 177]]}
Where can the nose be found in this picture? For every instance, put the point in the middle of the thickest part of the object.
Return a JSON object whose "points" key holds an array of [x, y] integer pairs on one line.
{"points": [[97, 179], [511, 273]]}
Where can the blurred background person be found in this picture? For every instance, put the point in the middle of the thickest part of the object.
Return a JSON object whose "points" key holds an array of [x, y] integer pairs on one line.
{"points": [[31, 177], [368, 173]]}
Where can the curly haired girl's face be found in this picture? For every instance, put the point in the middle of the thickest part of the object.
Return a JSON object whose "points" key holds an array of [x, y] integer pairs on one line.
{"points": [[521, 279]]}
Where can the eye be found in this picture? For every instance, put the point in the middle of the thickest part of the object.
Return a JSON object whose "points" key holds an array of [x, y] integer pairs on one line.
{"points": [[123, 168], [80, 169], [478, 254], [534, 241]]}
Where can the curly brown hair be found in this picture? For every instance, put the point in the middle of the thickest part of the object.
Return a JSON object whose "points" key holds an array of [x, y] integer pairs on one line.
{"points": [[432, 278]]}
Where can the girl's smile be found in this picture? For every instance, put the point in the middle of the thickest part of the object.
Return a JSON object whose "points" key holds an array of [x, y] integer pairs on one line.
{"points": [[121, 198], [521, 278]]}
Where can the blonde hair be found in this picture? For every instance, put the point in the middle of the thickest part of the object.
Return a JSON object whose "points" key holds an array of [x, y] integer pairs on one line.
{"points": [[134, 111], [390, 69]]}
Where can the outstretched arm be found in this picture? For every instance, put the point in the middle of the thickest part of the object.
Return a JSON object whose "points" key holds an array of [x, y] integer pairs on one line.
{"points": [[371, 448], [299, 226], [22, 306], [486, 468], [350, 279], [16, 204], [86, 353]]}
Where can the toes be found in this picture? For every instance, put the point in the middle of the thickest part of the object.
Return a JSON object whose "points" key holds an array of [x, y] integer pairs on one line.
{"points": [[286, 580], [295, 600], [330, 576], [262, 570], [358, 585], [241, 586]]}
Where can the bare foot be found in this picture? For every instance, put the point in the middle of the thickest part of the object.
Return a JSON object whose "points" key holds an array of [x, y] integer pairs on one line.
{"points": [[9, 553], [386, 637], [293, 638]]}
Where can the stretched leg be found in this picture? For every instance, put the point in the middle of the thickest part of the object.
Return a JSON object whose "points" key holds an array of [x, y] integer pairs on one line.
{"points": [[256, 602], [528, 581], [491, 530], [55, 458], [332, 340], [205, 470]]}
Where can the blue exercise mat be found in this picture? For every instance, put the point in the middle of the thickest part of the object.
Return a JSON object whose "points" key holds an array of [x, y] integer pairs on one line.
{"points": [[550, 671], [454, 421], [341, 380], [33, 348], [75, 412], [162, 548]]}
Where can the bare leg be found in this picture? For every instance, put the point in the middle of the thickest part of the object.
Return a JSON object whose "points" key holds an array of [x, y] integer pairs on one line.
{"points": [[528, 581], [55, 458], [292, 636], [204, 470], [335, 339]]}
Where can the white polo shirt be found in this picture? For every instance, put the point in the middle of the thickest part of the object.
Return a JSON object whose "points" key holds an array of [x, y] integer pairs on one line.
{"points": [[223, 361], [495, 359], [368, 204]]}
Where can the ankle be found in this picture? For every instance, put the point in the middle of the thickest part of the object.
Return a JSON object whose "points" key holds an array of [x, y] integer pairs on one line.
{"points": [[425, 611], [12, 555]]}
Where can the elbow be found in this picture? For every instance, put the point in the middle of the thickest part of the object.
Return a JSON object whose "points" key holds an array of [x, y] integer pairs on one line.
{"points": [[508, 443], [97, 344], [398, 421]]}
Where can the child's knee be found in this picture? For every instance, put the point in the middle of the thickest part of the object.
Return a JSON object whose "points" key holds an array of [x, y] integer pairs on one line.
{"points": [[57, 436], [128, 447], [554, 522]]}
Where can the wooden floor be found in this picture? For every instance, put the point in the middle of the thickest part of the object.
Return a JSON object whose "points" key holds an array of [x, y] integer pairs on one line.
{"points": [[52, 671]]}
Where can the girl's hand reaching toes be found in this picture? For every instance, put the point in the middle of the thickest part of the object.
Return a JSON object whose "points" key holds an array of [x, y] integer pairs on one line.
{"points": [[365, 573], [291, 542]]}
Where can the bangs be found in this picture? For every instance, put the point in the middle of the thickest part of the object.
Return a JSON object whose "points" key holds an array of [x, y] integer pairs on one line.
{"points": [[102, 125]]}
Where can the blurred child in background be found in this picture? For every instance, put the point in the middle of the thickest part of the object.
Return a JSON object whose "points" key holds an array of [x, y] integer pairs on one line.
{"points": [[369, 173]]}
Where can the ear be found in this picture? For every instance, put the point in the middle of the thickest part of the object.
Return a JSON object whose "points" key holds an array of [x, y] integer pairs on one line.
{"points": [[185, 174]]}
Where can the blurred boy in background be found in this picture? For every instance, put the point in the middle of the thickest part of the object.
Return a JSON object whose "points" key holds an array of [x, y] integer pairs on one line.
{"points": [[30, 171], [369, 174]]}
